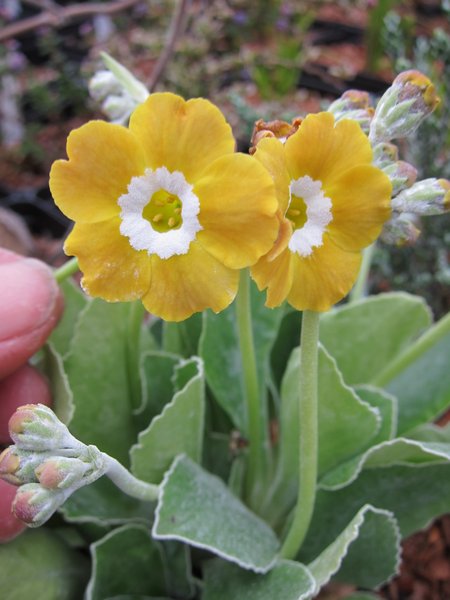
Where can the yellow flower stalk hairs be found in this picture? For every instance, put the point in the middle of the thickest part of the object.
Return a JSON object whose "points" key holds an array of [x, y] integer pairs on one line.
{"points": [[165, 210], [332, 204]]}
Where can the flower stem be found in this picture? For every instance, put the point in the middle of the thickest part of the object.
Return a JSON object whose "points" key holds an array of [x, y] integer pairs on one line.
{"points": [[251, 387], [413, 352], [308, 433], [67, 269], [360, 288], [135, 318], [128, 483]]}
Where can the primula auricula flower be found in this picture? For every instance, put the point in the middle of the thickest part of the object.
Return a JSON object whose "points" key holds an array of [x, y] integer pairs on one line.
{"points": [[332, 203], [165, 210]]}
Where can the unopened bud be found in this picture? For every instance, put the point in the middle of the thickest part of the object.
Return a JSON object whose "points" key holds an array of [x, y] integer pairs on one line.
{"points": [[60, 472], [384, 154], [425, 198], [34, 504], [277, 129], [400, 230], [36, 427], [18, 466], [118, 108], [353, 104], [403, 107], [401, 174], [102, 84]]}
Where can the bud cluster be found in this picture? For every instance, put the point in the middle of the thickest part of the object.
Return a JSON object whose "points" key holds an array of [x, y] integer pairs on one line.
{"points": [[355, 105], [46, 462], [117, 89], [402, 108]]}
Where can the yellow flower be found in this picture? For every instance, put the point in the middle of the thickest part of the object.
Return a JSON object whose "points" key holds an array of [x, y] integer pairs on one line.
{"points": [[332, 203], [165, 210]]}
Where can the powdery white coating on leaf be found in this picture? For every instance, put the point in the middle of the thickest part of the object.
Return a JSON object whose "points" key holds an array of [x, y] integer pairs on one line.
{"points": [[197, 508], [140, 232], [318, 215]]}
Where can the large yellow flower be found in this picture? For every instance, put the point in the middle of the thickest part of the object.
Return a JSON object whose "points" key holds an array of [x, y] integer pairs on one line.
{"points": [[165, 210], [332, 203]]}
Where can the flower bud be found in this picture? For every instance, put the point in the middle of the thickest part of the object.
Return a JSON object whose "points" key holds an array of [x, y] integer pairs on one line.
{"points": [[58, 472], [118, 108], [102, 84], [401, 174], [384, 154], [400, 230], [34, 504], [36, 427], [403, 107], [353, 104], [425, 198], [18, 466], [278, 129]]}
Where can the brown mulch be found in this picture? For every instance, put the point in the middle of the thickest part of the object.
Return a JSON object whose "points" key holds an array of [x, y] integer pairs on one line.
{"points": [[425, 569]]}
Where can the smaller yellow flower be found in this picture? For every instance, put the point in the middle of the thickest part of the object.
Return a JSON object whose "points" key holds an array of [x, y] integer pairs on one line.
{"points": [[332, 204], [165, 210]]}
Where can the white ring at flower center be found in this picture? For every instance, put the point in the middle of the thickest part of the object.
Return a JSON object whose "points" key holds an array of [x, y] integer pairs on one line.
{"points": [[139, 231], [318, 215]]}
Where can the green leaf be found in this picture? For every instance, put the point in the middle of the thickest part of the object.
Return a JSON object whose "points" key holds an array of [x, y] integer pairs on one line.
{"points": [[415, 494], [366, 552], [178, 569], [219, 349], [346, 424], [288, 580], [38, 565], [103, 504], [126, 561], [386, 404], [392, 452], [197, 508], [365, 336], [74, 303], [97, 372], [177, 430], [53, 367], [157, 370], [183, 338], [423, 389]]}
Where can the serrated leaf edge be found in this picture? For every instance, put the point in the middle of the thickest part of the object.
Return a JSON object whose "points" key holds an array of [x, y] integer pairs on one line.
{"points": [[186, 540], [373, 388], [358, 522], [366, 456], [100, 542], [200, 374], [157, 353]]}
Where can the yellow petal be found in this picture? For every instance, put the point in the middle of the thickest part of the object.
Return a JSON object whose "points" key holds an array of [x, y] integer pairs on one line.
{"points": [[324, 278], [322, 151], [182, 136], [189, 283], [111, 268], [270, 152], [237, 210], [360, 205], [276, 276], [102, 160]]}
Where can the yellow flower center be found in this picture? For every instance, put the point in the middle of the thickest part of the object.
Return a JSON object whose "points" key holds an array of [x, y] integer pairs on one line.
{"points": [[163, 212], [160, 213], [296, 213]]}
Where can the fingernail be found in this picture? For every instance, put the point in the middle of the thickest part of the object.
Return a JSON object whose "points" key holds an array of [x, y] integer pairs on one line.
{"points": [[29, 293]]}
